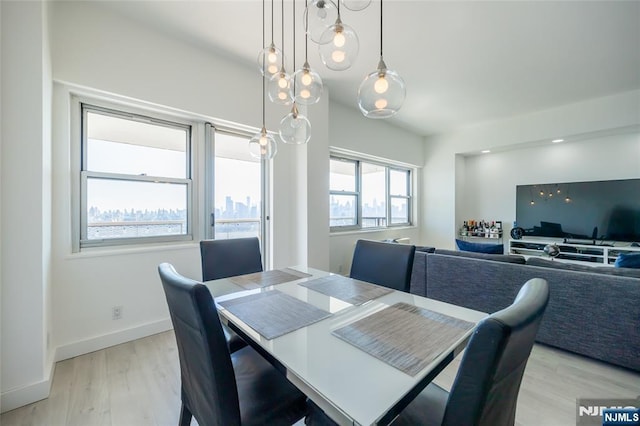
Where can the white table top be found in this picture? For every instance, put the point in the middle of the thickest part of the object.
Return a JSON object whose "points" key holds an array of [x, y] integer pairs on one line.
{"points": [[350, 385]]}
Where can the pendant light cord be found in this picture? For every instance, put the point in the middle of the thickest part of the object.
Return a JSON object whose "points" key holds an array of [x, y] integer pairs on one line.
{"points": [[282, 30], [271, 22], [306, 31], [294, 51], [263, 59], [380, 28]]}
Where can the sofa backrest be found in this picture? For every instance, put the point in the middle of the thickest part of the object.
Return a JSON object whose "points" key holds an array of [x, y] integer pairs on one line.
{"points": [[509, 258]]}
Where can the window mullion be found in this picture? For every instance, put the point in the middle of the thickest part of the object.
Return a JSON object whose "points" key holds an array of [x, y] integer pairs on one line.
{"points": [[387, 190], [135, 178], [358, 194]]}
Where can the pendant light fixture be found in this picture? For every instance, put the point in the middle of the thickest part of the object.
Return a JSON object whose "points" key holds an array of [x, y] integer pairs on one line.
{"points": [[356, 5], [270, 56], [279, 87], [339, 45], [382, 92], [318, 16], [262, 145], [307, 82], [295, 128]]}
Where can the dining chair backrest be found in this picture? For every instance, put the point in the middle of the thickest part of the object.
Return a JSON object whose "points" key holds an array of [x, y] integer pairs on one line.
{"points": [[208, 380], [385, 264], [485, 390], [228, 258]]}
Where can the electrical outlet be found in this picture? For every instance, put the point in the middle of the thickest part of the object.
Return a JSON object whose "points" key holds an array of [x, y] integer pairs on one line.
{"points": [[116, 312]]}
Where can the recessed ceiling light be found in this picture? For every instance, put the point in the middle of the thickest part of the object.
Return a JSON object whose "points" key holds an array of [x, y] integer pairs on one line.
{"points": [[557, 140], [486, 151]]}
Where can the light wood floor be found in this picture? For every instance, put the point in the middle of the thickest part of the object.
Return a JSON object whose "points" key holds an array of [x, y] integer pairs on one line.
{"points": [[138, 384]]}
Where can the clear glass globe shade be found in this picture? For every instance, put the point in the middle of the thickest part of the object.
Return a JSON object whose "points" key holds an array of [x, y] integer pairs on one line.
{"points": [[356, 5], [308, 86], [322, 14], [263, 146], [339, 47], [295, 129], [373, 102], [279, 88], [269, 60]]}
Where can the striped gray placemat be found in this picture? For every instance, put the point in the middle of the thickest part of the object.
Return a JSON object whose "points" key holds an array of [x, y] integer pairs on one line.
{"points": [[405, 336], [273, 313], [347, 289], [267, 278]]}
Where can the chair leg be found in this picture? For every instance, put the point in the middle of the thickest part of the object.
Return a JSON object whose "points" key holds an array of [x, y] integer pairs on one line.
{"points": [[185, 416]]}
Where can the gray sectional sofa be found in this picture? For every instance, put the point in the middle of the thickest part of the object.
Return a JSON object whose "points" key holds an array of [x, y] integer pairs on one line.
{"points": [[593, 311]]}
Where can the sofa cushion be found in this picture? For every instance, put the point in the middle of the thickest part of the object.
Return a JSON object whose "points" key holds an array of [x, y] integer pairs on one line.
{"points": [[628, 260], [624, 272], [509, 258]]}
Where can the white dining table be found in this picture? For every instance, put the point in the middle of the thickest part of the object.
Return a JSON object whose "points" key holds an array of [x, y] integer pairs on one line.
{"points": [[349, 384]]}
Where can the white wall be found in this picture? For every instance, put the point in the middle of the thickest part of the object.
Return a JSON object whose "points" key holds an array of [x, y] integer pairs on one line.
{"points": [[489, 187], [445, 179], [350, 130], [94, 48], [26, 202], [97, 49]]}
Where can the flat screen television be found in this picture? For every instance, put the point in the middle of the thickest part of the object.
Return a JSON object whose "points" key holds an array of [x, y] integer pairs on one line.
{"points": [[597, 211]]}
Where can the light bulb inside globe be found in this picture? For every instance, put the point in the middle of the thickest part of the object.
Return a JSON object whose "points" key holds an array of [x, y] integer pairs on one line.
{"points": [[263, 141], [282, 96], [381, 103], [272, 57], [282, 81], [305, 94], [272, 69], [338, 56], [306, 78], [339, 39], [381, 85]]}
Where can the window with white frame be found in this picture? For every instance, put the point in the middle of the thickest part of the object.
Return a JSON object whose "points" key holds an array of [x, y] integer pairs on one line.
{"points": [[135, 178], [368, 194]]}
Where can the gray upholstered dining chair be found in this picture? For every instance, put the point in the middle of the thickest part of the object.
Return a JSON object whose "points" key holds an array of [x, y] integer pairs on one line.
{"points": [[228, 258], [486, 387], [220, 388], [385, 264]]}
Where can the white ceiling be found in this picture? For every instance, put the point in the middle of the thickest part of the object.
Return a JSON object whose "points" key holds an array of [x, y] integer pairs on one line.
{"points": [[463, 61]]}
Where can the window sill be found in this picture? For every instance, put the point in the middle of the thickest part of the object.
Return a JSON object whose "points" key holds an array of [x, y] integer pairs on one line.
{"points": [[370, 230], [92, 252]]}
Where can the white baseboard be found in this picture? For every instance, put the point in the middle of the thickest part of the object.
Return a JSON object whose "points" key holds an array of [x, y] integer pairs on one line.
{"points": [[25, 395], [93, 344], [16, 398]]}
